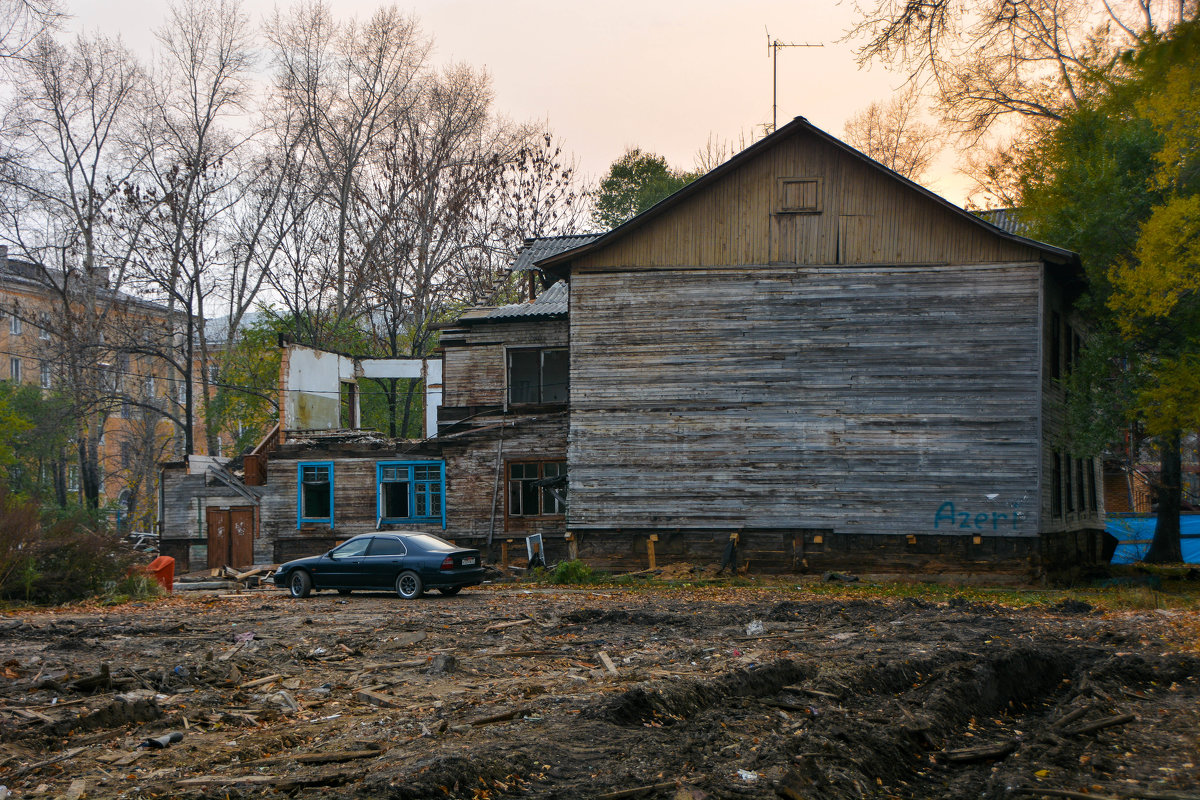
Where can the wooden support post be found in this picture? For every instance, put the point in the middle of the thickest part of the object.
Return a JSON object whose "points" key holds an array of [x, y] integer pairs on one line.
{"points": [[504, 553], [650, 550], [572, 546]]}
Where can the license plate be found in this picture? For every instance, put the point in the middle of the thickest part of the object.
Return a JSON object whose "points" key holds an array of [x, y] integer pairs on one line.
{"points": [[469, 561]]}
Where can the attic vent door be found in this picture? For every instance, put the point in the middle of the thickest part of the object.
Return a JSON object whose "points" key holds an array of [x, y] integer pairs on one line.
{"points": [[798, 196]]}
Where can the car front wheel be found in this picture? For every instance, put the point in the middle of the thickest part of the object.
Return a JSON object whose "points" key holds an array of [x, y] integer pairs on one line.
{"points": [[409, 585], [301, 584]]}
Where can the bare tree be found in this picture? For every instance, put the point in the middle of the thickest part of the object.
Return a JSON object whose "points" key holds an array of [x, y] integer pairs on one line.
{"points": [[428, 205], [72, 110], [192, 179], [893, 134], [349, 84], [22, 22], [537, 193]]}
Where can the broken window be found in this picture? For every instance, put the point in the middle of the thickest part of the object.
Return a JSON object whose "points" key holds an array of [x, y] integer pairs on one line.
{"points": [[316, 493], [537, 488], [411, 491], [537, 375]]}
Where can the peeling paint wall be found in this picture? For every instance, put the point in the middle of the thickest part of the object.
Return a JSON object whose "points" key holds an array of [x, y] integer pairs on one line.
{"points": [[313, 388]]}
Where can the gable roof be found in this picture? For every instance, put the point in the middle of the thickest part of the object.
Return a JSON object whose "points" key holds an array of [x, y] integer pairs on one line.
{"points": [[798, 125]]}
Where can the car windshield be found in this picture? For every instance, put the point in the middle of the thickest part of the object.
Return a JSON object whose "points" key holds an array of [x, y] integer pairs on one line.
{"points": [[429, 543]]}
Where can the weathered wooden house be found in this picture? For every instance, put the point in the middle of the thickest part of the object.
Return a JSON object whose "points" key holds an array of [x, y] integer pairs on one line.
{"points": [[839, 367]]}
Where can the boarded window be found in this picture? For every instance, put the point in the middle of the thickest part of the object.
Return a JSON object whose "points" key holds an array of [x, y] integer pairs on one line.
{"points": [[1069, 482], [538, 375], [798, 196], [316, 493], [537, 488]]}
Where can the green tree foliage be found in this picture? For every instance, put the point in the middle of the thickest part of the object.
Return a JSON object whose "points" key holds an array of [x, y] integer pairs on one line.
{"points": [[244, 405], [1119, 181], [34, 441], [635, 181]]}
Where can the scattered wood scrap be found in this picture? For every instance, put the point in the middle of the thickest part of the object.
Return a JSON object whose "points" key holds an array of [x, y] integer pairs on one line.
{"points": [[499, 626], [985, 752], [607, 662], [1100, 724], [503, 716]]}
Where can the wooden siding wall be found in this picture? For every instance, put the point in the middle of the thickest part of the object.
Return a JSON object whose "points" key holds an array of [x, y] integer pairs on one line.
{"points": [[185, 501], [866, 217], [474, 367], [354, 503], [1054, 419], [471, 474], [860, 400]]}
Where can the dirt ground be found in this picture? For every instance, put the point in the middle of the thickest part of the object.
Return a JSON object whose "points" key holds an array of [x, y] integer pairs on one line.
{"points": [[552, 693]]}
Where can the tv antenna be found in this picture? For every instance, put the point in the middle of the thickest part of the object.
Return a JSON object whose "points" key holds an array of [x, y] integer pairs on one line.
{"points": [[773, 46]]}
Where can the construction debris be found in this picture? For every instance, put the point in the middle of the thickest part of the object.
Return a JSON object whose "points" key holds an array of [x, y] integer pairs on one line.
{"points": [[502, 693]]}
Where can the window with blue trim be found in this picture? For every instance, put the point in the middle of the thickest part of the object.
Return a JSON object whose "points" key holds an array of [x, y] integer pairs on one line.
{"points": [[411, 491], [315, 492]]}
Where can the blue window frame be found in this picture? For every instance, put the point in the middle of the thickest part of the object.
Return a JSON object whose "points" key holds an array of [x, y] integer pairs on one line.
{"points": [[410, 491], [314, 492]]}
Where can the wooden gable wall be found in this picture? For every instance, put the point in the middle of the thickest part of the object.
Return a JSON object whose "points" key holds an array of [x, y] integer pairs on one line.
{"points": [[874, 368], [866, 216]]}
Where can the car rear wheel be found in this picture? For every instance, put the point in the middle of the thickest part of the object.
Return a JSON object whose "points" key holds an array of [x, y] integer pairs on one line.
{"points": [[301, 584], [409, 585], [450, 591]]}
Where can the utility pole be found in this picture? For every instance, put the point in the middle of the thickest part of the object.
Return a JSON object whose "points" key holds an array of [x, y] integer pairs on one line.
{"points": [[773, 46]]}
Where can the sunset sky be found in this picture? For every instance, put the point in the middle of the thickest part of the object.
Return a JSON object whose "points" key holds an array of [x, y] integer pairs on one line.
{"points": [[663, 75]]}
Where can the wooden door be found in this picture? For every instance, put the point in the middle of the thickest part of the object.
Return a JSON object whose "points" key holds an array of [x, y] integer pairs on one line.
{"points": [[241, 540], [230, 537], [218, 538]]}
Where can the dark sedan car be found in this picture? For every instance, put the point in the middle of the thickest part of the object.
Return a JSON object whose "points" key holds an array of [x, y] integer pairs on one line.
{"points": [[406, 561]]}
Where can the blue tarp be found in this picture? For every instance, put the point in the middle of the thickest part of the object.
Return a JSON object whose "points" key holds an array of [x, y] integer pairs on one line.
{"points": [[1134, 533]]}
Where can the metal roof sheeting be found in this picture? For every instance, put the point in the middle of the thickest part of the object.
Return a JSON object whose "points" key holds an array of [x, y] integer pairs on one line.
{"points": [[1008, 220], [537, 249], [551, 303]]}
